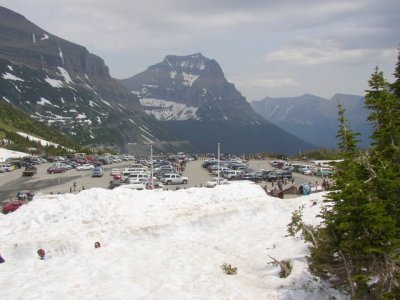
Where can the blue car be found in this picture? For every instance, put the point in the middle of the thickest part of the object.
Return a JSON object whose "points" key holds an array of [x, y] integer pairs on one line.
{"points": [[97, 172]]}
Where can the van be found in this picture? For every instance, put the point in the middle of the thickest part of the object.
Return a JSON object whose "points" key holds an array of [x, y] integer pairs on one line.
{"points": [[125, 174], [137, 166], [323, 172], [139, 177], [142, 169]]}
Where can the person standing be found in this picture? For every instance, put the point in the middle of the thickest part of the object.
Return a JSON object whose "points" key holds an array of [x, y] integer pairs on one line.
{"points": [[42, 254]]}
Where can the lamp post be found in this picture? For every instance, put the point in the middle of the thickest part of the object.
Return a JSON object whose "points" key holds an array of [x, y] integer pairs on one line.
{"points": [[151, 166], [218, 162], [151, 170]]}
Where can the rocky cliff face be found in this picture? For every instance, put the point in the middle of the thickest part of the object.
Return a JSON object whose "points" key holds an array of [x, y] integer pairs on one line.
{"points": [[190, 87], [62, 84]]}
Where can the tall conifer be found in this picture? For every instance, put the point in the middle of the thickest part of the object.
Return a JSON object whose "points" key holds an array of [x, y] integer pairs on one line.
{"points": [[359, 236]]}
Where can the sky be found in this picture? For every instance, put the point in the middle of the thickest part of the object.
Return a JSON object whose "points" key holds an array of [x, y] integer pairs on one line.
{"points": [[265, 47], [158, 245]]}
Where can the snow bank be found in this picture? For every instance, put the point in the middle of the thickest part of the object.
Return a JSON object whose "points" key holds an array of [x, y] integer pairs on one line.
{"points": [[156, 245]]}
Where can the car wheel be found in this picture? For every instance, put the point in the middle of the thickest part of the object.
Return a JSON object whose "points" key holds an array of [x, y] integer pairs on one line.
{"points": [[169, 182], [185, 182]]}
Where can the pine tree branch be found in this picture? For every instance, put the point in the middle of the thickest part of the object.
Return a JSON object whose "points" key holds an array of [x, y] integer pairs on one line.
{"points": [[347, 268], [309, 231]]}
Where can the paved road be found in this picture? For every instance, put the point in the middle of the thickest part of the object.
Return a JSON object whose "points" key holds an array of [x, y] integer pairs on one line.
{"points": [[12, 182]]}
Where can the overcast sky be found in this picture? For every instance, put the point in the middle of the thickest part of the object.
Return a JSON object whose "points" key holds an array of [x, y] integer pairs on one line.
{"points": [[265, 47]]}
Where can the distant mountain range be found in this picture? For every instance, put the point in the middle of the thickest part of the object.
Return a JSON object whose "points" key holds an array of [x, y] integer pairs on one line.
{"points": [[314, 119]]}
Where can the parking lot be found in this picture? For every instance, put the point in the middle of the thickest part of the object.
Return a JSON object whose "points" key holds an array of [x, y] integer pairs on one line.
{"points": [[12, 182]]}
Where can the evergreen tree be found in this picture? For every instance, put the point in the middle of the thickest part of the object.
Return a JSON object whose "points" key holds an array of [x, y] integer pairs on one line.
{"points": [[359, 237], [341, 227]]}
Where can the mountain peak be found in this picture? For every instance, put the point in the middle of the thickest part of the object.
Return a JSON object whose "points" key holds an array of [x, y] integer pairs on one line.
{"points": [[193, 64], [190, 87]]}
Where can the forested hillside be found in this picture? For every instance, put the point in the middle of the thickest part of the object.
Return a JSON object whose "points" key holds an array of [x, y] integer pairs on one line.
{"points": [[13, 120]]}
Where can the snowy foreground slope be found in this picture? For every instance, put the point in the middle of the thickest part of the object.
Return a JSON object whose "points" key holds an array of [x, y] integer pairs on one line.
{"points": [[157, 245]]}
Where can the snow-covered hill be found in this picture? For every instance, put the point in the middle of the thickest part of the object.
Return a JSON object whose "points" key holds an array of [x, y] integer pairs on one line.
{"points": [[157, 245]]}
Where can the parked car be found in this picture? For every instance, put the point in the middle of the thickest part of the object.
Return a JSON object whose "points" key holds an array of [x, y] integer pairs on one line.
{"points": [[85, 167], [97, 172], [137, 177], [114, 183], [29, 171], [7, 167], [216, 181], [146, 185], [13, 206], [56, 169], [284, 174], [232, 174], [115, 172], [173, 178], [323, 172], [250, 177]]}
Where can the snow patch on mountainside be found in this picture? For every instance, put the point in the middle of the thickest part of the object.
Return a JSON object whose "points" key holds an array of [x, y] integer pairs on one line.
{"points": [[44, 101], [39, 140], [54, 82], [61, 54], [189, 79], [146, 131], [168, 110], [172, 74], [9, 76], [65, 74]]}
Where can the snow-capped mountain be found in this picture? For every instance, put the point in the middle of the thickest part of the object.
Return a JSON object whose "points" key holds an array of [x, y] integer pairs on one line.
{"points": [[190, 87], [193, 99], [314, 119], [61, 84]]}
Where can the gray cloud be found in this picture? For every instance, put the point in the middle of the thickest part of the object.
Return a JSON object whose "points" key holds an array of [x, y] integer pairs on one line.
{"points": [[266, 46]]}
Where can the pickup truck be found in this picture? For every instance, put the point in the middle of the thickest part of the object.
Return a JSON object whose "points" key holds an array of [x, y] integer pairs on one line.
{"points": [[271, 176], [29, 171]]}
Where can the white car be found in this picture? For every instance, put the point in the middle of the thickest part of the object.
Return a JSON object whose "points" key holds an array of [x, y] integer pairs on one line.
{"points": [[172, 178], [85, 167], [115, 172], [216, 181]]}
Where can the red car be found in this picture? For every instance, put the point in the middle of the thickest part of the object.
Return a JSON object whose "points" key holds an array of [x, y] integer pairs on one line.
{"points": [[12, 206], [53, 170]]}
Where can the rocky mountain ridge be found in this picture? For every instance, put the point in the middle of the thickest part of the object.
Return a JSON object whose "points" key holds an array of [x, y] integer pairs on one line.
{"points": [[193, 99], [313, 118], [190, 87], [61, 84]]}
